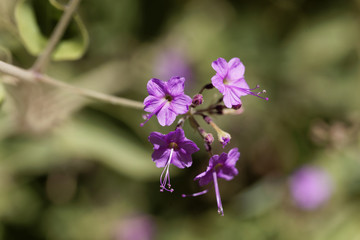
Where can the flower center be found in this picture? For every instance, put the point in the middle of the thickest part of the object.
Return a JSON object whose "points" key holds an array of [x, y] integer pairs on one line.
{"points": [[226, 81], [217, 166], [173, 145], [168, 97]]}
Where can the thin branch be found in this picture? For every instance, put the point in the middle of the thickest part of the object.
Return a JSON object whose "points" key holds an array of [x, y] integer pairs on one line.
{"points": [[56, 35], [91, 93], [31, 76], [20, 73]]}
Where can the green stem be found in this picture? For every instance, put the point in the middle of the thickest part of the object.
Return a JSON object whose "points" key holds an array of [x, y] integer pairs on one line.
{"points": [[58, 32], [31, 76]]}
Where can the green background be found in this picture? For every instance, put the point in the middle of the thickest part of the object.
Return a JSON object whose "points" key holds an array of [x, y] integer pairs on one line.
{"points": [[71, 168]]}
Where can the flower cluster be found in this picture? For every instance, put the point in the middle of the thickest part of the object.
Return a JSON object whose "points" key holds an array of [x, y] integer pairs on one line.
{"points": [[167, 100]]}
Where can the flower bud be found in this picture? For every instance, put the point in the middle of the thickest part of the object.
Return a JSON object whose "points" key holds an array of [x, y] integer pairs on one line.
{"points": [[207, 119], [236, 107], [224, 138], [209, 139], [197, 100]]}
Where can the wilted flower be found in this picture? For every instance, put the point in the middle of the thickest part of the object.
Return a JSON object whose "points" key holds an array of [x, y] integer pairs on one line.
{"points": [[166, 100], [172, 148], [310, 187], [223, 137]]}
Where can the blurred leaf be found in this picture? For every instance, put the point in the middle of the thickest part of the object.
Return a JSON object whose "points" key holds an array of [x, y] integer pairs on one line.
{"points": [[98, 141], [262, 197], [29, 156], [18, 201], [73, 223], [322, 42], [2, 94], [5, 54], [35, 33]]}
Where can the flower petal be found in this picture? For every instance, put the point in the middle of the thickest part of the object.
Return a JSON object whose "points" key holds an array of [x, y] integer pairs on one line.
{"points": [[156, 87], [221, 67], [189, 146], [227, 173], [160, 157], [175, 86], [218, 82], [233, 157], [176, 136], [213, 161], [181, 159], [222, 159], [204, 178], [153, 103], [240, 87], [236, 69], [166, 116], [180, 104], [230, 98], [157, 139]]}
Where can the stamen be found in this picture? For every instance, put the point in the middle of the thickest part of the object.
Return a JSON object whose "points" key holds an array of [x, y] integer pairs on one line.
{"points": [[165, 180], [256, 94], [148, 116], [168, 97], [217, 193], [195, 194]]}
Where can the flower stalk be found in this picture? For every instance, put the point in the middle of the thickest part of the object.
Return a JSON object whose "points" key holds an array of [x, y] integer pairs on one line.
{"points": [[33, 77], [59, 30]]}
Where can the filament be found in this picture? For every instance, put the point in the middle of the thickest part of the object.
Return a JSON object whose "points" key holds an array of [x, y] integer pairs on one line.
{"points": [[165, 176]]}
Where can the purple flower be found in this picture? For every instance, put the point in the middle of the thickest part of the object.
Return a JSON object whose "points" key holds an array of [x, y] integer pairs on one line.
{"points": [[172, 62], [229, 80], [222, 166], [172, 148], [310, 187], [166, 100]]}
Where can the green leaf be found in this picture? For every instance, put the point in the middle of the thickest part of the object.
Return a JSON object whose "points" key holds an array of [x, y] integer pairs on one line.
{"points": [[36, 19]]}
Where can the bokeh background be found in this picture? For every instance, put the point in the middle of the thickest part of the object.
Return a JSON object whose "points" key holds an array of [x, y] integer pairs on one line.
{"points": [[74, 169]]}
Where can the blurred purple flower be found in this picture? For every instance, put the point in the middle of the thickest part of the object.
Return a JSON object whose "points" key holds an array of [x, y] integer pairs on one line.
{"points": [[140, 227], [166, 100], [229, 80], [172, 63], [172, 148], [310, 187]]}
